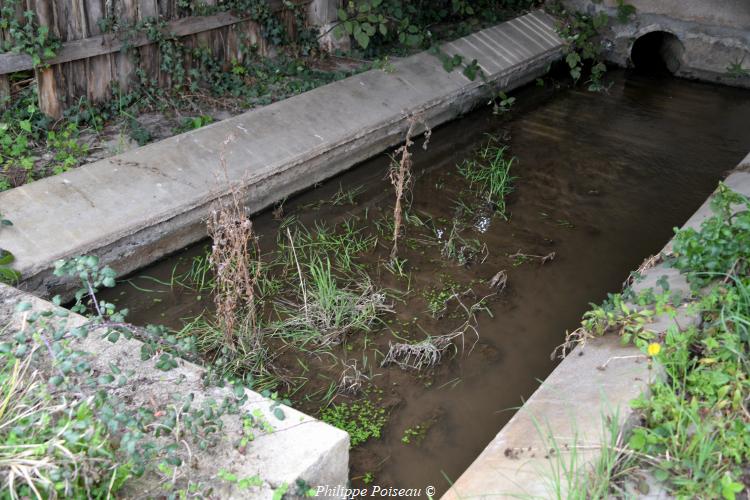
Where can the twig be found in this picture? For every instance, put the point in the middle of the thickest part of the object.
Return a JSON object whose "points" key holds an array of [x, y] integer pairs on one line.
{"points": [[604, 366]]}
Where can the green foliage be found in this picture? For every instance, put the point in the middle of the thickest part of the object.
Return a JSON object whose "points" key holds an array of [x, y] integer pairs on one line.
{"points": [[407, 24], [24, 131], [624, 11], [363, 420], [502, 103], [193, 123], [26, 36], [695, 432], [721, 243], [737, 70], [489, 174], [7, 273], [695, 420], [67, 151], [240, 483], [583, 47], [51, 444], [66, 432]]}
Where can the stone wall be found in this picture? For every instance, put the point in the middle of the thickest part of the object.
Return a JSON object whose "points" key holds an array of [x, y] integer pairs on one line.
{"points": [[713, 34]]}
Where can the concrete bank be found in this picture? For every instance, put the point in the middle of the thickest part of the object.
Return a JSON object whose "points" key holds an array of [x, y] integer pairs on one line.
{"points": [[571, 405], [697, 39], [298, 447], [136, 207]]}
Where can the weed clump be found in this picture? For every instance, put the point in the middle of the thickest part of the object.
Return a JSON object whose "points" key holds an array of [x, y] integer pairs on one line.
{"points": [[363, 420], [489, 175], [329, 312]]}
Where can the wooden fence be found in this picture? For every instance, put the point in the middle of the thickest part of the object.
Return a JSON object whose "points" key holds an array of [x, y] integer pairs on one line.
{"points": [[89, 61]]}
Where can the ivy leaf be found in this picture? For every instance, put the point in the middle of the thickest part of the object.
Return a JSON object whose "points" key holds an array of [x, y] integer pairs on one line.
{"points": [[25, 125], [363, 39], [279, 413], [9, 276], [6, 257]]}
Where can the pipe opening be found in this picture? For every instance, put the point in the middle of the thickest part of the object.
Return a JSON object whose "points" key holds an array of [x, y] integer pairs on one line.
{"points": [[657, 52]]}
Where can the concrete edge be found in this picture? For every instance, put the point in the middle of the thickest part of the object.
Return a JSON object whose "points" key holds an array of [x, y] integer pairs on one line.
{"points": [[572, 404], [299, 447], [143, 242]]}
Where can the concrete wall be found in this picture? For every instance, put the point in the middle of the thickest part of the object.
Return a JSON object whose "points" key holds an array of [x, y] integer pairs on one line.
{"points": [[714, 33]]}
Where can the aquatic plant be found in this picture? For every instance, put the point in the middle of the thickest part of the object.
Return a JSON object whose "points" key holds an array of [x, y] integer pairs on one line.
{"points": [[400, 175], [363, 420], [488, 173], [465, 251], [327, 311]]}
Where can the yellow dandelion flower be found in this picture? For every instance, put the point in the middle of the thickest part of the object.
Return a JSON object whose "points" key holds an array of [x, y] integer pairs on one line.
{"points": [[654, 348]]}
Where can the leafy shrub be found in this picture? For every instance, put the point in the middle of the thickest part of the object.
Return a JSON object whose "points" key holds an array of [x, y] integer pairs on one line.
{"points": [[722, 243]]}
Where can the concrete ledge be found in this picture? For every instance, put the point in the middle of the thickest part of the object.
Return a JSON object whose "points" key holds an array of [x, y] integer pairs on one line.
{"points": [[573, 401], [299, 447], [570, 406], [134, 208]]}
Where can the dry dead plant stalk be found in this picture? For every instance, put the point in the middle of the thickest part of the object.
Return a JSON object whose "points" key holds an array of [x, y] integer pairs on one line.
{"points": [[400, 175], [351, 380], [236, 264]]}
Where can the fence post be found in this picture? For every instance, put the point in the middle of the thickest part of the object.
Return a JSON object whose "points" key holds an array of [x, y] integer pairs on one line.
{"points": [[324, 13], [47, 84]]}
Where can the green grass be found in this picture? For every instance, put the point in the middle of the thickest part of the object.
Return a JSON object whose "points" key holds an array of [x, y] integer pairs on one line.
{"points": [[51, 444], [489, 175], [344, 243], [694, 434], [326, 312], [572, 475]]}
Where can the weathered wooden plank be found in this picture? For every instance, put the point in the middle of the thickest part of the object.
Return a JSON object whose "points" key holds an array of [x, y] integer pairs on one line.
{"points": [[125, 68], [99, 74], [49, 80], [71, 20], [109, 43], [148, 9]]}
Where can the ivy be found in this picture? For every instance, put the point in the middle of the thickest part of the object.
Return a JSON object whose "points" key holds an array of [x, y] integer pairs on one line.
{"points": [[67, 433], [7, 273], [583, 47], [26, 36], [410, 24]]}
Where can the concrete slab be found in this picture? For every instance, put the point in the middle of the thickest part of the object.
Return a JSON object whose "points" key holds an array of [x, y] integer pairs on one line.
{"points": [[136, 207], [570, 406], [572, 403], [299, 447]]}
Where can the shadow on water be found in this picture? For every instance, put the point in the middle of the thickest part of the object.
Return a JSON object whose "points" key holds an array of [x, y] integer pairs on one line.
{"points": [[602, 181]]}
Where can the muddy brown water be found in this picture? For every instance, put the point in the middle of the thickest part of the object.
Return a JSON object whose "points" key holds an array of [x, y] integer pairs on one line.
{"points": [[602, 181]]}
